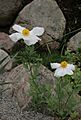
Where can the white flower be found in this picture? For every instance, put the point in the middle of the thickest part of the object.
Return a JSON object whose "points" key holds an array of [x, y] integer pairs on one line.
{"points": [[62, 68], [29, 37]]}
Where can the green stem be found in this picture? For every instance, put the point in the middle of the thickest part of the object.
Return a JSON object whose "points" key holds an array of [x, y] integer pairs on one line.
{"points": [[48, 48], [59, 94], [71, 32], [32, 76], [68, 98]]}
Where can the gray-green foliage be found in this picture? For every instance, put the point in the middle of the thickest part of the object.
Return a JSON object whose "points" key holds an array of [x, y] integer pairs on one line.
{"points": [[74, 115], [73, 57], [28, 55], [65, 99], [60, 100], [39, 92]]}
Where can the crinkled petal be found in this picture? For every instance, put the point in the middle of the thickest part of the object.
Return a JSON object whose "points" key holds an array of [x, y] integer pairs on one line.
{"points": [[37, 31], [69, 72], [71, 66], [59, 72], [55, 65], [62, 72], [18, 28], [31, 40], [15, 37]]}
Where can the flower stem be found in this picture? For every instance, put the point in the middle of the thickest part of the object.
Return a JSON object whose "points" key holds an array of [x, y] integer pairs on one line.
{"points": [[59, 95], [68, 98], [48, 49]]}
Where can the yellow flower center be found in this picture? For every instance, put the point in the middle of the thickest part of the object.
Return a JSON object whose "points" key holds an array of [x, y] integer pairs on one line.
{"points": [[25, 32], [64, 64]]}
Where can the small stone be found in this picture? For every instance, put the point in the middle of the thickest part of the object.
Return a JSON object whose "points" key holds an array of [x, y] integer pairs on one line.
{"points": [[5, 42], [6, 60]]}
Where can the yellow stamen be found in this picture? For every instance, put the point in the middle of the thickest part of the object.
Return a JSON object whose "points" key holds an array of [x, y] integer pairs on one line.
{"points": [[64, 64], [25, 32]]}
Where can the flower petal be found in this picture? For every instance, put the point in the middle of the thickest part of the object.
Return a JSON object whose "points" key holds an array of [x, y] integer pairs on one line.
{"points": [[55, 65], [59, 72], [15, 37], [62, 72], [18, 28], [37, 31], [69, 72], [31, 40], [71, 67]]}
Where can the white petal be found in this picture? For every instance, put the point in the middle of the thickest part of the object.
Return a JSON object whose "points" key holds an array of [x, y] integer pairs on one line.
{"points": [[55, 65], [69, 72], [59, 72], [15, 37], [18, 28], [31, 40], [71, 67], [37, 31], [62, 72]]}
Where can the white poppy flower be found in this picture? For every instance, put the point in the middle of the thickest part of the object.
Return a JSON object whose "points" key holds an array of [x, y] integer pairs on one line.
{"points": [[29, 37], [62, 68]]}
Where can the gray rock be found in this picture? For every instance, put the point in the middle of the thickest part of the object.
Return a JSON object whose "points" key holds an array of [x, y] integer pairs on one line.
{"points": [[5, 42], [14, 95], [74, 42], [45, 13], [6, 60], [9, 109], [9, 9], [19, 83]]}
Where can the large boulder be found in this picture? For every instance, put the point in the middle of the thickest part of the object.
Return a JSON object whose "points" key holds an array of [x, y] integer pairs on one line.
{"points": [[18, 79], [9, 107], [45, 13], [9, 10]]}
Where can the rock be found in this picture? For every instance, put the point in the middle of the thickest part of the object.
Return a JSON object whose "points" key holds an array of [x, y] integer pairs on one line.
{"points": [[6, 60], [74, 42], [9, 9], [46, 76], [19, 79], [45, 13], [5, 42], [20, 86], [9, 108]]}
